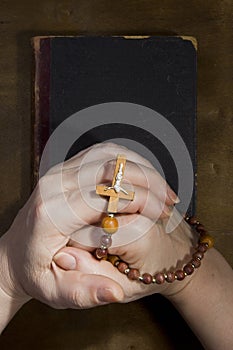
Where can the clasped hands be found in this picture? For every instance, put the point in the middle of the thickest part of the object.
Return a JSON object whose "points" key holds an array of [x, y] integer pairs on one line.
{"points": [[41, 260]]}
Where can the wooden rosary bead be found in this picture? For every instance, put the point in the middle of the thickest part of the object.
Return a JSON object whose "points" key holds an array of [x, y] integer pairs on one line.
{"points": [[198, 255], [133, 274], [202, 247], [208, 240], [101, 253], [159, 277], [196, 262], [106, 241], [109, 224], [147, 278], [122, 266], [192, 220], [114, 259], [170, 277], [200, 229], [180, 275], [188, 269]]}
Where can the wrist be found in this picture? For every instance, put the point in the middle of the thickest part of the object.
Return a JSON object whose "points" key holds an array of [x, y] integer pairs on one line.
{"points": [[8, 308], [208, 297], [184, 293], [193, 258], [208, 274], [12, 296]]}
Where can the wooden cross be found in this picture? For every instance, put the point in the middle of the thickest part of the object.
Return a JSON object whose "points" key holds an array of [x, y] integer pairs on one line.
{"points": [[115, 191]]}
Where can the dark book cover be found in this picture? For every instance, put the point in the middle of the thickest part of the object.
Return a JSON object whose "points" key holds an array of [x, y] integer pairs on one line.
{"points": [[157, 73]]}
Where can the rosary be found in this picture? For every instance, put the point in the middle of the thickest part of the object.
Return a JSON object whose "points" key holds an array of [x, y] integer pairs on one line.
{"points": [[110, 226]]}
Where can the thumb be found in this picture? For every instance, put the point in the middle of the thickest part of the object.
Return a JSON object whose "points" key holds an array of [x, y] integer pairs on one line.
{"points": [[65, 260], [85, 277]]}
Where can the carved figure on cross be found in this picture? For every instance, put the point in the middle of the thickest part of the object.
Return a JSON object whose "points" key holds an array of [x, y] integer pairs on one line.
{"points": [[116, 191]]}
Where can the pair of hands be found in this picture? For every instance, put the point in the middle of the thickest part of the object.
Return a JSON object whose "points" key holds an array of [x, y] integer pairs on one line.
{"points": [[40, 259]]}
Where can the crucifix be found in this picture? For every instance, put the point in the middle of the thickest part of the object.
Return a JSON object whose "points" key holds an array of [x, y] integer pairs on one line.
{"points": [[115, 191]]}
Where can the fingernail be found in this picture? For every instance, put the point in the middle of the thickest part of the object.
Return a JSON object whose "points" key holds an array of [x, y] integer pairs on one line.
{"points": [[65, 261], [167, 211], [174, 197], [106, 295]]}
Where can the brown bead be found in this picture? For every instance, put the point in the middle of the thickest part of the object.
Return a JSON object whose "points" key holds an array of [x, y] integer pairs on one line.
{"points": [[122, 266], [196, 263], [198, 255], [133, 274], [201, 229], [192, 220], [109, 224], [170, 277], [147, 278], [159, 278], [180, 275], [113, 259], [202, 247], [207, 239], [101, 253], [188, 269]]}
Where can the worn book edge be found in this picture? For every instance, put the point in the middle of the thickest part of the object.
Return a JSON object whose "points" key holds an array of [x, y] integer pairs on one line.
{"points": [[192, 39]]}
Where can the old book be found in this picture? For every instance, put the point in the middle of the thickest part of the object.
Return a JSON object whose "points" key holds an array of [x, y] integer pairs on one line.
{"points": [[145, 74]]}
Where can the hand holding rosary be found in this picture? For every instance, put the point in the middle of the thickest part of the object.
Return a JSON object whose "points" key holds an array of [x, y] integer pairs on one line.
{"points": [[110, 226]]}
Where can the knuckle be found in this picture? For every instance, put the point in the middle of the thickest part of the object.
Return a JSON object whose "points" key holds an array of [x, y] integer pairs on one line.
{"points": [[43, 183], [42, 202], [40, 210], [76, 298], [48, 179], [82, 298], [111, 146]]}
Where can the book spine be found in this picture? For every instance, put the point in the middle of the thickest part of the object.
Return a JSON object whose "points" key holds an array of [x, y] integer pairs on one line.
{"points": [[41, 101]]}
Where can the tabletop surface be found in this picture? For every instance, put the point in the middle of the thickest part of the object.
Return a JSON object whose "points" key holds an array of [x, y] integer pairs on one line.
{"points": [[143, 324]]}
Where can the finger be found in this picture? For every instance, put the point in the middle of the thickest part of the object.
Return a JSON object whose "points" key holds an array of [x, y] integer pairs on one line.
{"points": [[100, 172], [146, 203], [69, 177], [132, 289], [106, 150], [77, 289], [89, 207], [101, 151], [85, 262], [88, 265], [70, 210]]}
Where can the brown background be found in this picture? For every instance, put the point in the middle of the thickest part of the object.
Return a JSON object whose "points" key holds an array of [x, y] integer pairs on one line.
{"points": [[151, 323]]}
